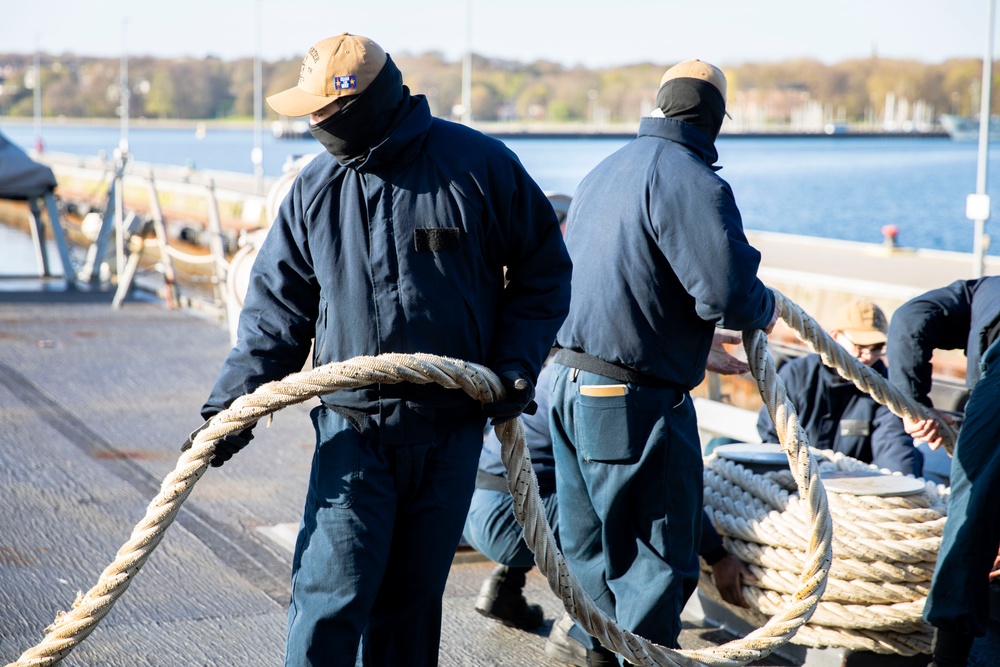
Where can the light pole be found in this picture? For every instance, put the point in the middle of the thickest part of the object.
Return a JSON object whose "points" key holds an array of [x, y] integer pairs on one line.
{"points": [[122, 155], [37, 93], [467, 67], [977, 206], [257, 155], [123, 93]]}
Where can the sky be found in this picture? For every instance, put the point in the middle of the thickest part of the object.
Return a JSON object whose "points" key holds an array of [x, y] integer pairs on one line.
{"points": [[570, 32]]}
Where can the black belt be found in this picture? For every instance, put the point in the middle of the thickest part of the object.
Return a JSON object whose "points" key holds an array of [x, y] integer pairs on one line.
{"points": [[624, 374]]}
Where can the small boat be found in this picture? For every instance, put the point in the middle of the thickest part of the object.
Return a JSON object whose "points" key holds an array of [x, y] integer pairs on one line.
{"points": [[966, 128]]}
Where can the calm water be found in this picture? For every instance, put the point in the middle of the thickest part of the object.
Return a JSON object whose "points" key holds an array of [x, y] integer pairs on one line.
{"points": [[830, 187]]}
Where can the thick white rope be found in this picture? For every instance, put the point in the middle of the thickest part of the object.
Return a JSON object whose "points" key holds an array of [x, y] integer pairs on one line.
{"points": [[72, 627], [886, 550], [848, 366]]}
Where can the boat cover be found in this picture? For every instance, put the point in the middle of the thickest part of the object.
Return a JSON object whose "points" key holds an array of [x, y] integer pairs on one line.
{"points": [[21, 177]]}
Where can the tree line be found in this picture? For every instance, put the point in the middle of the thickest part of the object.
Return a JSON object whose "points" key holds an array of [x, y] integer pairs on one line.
{"points": [[852, 91]]}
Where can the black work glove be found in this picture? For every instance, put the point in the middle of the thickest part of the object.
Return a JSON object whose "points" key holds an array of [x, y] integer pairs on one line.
{"points": [[225, 447], [520, 394]]}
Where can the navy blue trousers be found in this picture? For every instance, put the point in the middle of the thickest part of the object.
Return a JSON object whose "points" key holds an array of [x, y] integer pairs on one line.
{"points": [[629, 485], [492, 530], [379, 531], [959, 597]]}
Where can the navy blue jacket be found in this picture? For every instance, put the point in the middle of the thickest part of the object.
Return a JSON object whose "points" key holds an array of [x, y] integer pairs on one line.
{"points": [[836, 415], [660, 257], [404, 251], [962, 316]]}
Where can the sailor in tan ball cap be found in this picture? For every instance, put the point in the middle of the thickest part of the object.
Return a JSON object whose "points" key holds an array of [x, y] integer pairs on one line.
{"points": [[694, 91], [660, 262], [408, 235], [334, 68]]}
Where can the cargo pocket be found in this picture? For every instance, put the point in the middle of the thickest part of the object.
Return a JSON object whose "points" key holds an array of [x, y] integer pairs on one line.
{"points": [[336, 462], [602, 429]]}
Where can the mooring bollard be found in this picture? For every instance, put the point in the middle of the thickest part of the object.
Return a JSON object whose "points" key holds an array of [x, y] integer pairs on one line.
{"points": [[889, 235]]}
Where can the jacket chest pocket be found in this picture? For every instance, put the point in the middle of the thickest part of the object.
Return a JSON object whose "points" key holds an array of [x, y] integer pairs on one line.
{"points": [[437, 239]]}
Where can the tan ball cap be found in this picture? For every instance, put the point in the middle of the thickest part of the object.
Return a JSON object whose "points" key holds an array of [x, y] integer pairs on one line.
{"points": [[863, 322], [696, 69], [334, 67]]}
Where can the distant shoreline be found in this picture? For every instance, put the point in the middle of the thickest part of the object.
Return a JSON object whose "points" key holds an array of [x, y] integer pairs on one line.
{"points": [[494, 129]]}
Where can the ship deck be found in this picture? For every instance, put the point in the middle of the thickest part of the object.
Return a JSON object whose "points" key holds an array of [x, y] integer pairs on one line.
{"points": [[95, 405]]}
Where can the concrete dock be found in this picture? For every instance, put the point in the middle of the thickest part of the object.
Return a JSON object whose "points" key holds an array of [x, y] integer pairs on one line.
{"points": [[95, 403], [816, 272]]}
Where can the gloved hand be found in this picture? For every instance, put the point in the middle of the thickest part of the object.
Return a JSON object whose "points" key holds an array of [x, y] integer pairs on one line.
{"points": [[520, 394], [224, 448]]}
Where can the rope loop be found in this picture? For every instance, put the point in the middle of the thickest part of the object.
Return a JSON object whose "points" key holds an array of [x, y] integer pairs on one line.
{"points": [[71, 627]]}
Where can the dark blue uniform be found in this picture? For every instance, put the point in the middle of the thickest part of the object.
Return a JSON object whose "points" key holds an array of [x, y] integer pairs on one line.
{"points": [[963, 315], [836, 415], [660, 259], [403, 250]]}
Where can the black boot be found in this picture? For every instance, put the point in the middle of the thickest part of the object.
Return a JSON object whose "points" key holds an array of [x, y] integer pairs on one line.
{"points": [[501, 598], [951, 649]]}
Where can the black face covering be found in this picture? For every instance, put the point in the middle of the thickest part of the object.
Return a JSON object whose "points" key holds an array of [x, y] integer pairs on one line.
{"points": [[367, 118], [693, 101]]}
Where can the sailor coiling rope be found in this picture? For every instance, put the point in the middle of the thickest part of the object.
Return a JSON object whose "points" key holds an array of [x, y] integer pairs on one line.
{"points": [[864, 378], [796, 608], [886, 546]]}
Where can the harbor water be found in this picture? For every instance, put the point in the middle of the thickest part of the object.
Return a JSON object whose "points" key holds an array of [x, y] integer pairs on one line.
{"points": [[836, 187]]}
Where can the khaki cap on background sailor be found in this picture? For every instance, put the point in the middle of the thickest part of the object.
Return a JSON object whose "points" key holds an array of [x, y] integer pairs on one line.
{"points": [[862, 322], [697, 69], [333, 68], [693, 91]]}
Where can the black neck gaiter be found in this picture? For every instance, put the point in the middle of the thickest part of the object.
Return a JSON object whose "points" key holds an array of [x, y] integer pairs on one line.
{"points": [[366, 119], [693, 101]]}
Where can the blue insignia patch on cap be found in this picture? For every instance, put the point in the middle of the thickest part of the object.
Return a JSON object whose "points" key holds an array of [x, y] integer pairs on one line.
{"points": [[345, 82]]}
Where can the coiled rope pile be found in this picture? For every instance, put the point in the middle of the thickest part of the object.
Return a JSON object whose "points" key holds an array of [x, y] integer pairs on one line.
{"points": [[72, 627], [885, 547], [885, 550]]}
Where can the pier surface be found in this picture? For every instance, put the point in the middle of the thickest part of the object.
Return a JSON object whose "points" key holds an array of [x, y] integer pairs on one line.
{"points": [[95, 403], [865, 267]]}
